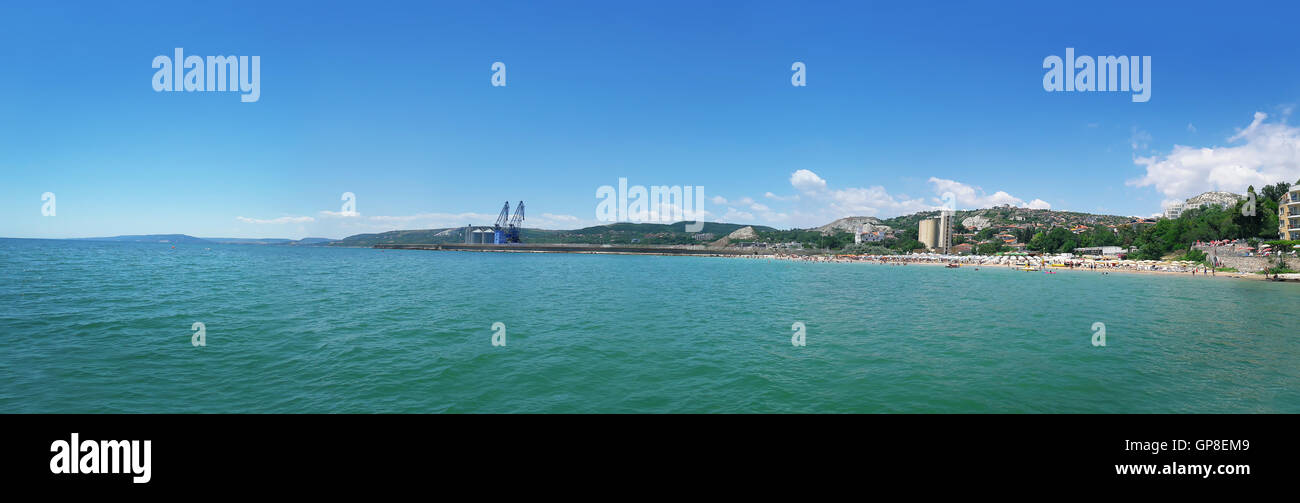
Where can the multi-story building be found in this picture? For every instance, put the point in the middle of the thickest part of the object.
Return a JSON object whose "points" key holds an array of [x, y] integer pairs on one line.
{"points": [[1216, 198], [928, 233], [1099, 250], [936, 233], [945, 230], [1174, 211], [1288, 215], [868, 236]]}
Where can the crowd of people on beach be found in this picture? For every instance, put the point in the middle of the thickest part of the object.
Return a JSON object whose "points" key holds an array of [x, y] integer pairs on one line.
{"points": [[1039, 262]]}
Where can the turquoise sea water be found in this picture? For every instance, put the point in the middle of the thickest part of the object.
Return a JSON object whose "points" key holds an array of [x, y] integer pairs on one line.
{"points": [[106, 327]]}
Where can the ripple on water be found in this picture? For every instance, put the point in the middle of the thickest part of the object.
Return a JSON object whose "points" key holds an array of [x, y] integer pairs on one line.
{"points": [[105, 327]]}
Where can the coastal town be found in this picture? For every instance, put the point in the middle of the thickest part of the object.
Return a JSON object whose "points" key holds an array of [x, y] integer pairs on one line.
{"points": [[1214, 234], [1044, 240]]}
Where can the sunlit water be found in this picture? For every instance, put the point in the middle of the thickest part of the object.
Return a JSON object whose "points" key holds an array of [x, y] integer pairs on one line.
{"points": [[106, 327]]}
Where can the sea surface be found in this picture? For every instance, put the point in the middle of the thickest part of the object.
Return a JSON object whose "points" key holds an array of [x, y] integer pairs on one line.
{"points": [[107, 327]]}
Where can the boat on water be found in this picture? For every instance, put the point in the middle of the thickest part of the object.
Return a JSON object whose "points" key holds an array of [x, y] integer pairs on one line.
{"points": [[953, 266]]}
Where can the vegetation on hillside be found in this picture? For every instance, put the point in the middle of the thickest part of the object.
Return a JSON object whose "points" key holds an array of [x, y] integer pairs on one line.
{"points": [[1045, 231], [1168, 236], [809, 238], [1008, 216]]}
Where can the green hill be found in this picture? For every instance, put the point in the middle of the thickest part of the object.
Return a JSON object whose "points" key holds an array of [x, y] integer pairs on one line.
{"points": [[617, 233], [1012, 216], [154, 238]]}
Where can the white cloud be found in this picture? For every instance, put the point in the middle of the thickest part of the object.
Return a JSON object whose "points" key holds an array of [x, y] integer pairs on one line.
{"points": [[806, 181], [1268, 153], [968, 196], [820, 203], [770, 195], [872, 201], [560, 218], [1139, 139], [737, 216], [436, 219], [278, 220], [718, 200], [557, 221], [343, 214]]}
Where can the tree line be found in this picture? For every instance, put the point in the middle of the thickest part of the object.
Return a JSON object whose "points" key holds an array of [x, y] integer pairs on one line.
{"points": [[1208, 223]]}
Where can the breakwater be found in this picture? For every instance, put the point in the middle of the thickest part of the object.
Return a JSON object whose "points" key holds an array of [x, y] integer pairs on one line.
{"points": [[578, 248]]}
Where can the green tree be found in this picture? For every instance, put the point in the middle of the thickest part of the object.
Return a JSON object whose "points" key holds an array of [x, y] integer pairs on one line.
{"points": [[1276, 191], [990, 248]]}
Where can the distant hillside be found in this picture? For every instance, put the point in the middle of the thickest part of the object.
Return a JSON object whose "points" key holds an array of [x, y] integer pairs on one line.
{"points": [[270, 241], [1010, 216], [852, 224], [186, 239], [419, 236], [154, 238], [625, 233], [250, 241], [617, 233]]}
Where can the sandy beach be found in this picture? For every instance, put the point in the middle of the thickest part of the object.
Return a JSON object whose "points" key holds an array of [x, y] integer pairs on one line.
{"points": [[1047, 265]]}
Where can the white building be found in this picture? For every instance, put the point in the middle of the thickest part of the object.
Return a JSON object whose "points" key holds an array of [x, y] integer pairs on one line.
{"points": [[1214, 198], [868, 236], [1109, 251], [1174, 210], [936, 233]]}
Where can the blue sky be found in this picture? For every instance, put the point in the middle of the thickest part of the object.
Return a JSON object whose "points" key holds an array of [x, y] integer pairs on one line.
{"points": [[393, 102]]}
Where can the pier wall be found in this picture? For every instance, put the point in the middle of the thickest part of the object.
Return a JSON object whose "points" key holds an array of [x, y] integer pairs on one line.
{"points": [[1253, 264], [576, 248]]}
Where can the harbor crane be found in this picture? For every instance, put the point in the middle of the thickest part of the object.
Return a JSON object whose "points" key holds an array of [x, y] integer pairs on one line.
{"points": [[507, 228], [516, 225]]}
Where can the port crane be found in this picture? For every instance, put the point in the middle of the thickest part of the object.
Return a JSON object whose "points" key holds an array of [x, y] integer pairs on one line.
{"points": [[507, 228], [516, 225]]}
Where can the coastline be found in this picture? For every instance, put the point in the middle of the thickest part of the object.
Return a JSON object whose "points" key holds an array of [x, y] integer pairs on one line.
{"points": [[1124, 267], [965, 261]]}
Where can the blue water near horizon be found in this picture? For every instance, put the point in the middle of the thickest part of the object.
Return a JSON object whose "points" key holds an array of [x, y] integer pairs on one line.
{"points": [[105, 327]]}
